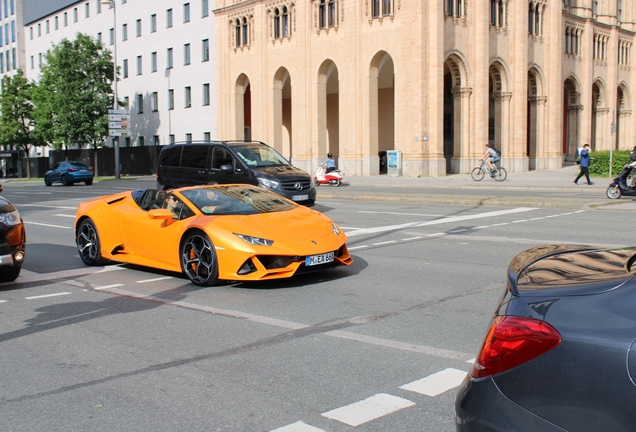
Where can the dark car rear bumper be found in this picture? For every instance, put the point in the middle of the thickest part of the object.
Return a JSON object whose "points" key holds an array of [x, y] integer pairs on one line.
{"points": [[481, 407]]}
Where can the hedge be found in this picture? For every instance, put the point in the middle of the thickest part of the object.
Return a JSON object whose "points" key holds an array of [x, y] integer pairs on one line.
{"points": [[600, 165]]}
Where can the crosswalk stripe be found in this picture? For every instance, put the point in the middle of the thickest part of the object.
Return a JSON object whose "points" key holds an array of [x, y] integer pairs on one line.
{"points": [[368, 409], [298, 427], [437, 383]]}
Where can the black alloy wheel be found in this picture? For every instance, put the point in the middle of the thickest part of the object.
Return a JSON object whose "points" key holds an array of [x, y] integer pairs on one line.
{"points": [[88, 244], [198, 259]]}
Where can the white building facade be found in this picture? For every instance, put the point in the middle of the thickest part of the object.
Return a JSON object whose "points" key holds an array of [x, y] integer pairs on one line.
{"points": [[165, 55]]}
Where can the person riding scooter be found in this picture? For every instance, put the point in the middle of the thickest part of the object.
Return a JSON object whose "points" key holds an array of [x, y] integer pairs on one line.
{"points": [[331, 164]]}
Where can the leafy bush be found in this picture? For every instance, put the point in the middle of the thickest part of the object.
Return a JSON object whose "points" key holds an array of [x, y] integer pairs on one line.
{"points": [[600, 165]]}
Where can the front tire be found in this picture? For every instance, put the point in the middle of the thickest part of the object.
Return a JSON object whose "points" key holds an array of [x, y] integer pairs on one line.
{"points": [[88, 244], [47, 182], [10, 275], [198, 259], [613, 192], [477, 174]]}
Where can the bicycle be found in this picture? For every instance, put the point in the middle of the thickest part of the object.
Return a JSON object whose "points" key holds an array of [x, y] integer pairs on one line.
{"points": [[499, 174]]}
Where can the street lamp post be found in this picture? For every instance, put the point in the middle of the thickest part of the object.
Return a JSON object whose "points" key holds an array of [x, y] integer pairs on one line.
{"points": [[115, 138]]}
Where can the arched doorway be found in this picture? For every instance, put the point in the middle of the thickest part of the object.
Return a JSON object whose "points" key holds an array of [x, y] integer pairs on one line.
{"points": [[282, 113], [536, 148], [328, 111], [381, 109], [624, 114], [571, 118], [243, 108], [599, 120], [456, 111], [499, 108]]}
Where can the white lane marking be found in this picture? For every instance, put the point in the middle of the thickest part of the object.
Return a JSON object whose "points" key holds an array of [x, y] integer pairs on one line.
{"points": [[551, 216], [47, 225], [369, 409], [383, 243], [411, 238], [358, 247], [501, 224], [439, 221], [155, 279], [480, 227], [3, 301], [521, 220], [435, 234], [458, 230], [45, 206], [539, 218], [400, 214], [437, 383], [65, 215], [348, 228], [112, 268], [298, 426], [387, 343], [47, 295], [107, 287]]}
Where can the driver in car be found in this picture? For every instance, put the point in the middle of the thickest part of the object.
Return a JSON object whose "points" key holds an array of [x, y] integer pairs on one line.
{"points": [[214, 202]]}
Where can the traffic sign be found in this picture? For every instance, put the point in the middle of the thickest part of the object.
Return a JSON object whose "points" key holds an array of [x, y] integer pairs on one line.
{"points": [[119, 111], [119, 125], [118, 117], [118, 132]]}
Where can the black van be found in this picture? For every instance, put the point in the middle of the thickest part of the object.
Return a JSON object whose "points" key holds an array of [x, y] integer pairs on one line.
{"points": [[251, 162]]}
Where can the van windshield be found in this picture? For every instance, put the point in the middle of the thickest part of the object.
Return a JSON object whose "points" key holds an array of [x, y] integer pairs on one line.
{"points": [[258, 155]]}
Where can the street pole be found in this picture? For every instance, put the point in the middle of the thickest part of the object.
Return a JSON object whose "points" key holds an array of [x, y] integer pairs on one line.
{"points": [[115, 105]]}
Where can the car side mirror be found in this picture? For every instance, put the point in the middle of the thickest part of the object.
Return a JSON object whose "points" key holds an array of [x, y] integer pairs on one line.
{"points": [[159, 214], [227, 168]]}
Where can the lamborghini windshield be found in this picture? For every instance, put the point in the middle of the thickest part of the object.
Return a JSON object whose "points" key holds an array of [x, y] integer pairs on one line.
{"points": [[236, 199]]}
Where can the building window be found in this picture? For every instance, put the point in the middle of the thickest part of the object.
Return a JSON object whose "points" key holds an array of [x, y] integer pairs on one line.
{"points": [[87, 10], [498, 13], [127, 102], [99, 6], [124, 72], [206, 136], [46, 26], [57, 22], [139, 28], [328, 12], [39, 30], [205, 50], [74, 15], [624, 51], [142, 141], [619, 10], [155, 101], [186, 12], [276, 23], [206, 94], [205, 8], [153, 23], [171, 138], [31, 33], [170, 63], [65, 19], [595, 7], [32, 62], [155, 140], [12, 31], [186, 54], [39, 59], [535, 18], [188, 137], [245, 32], [99, 37], [382, 8], [111, 34], [572, 38], [169, 18], [454, 8], [599, 48], [140, 104], [153, 62], [139, 70], [284, 23], [188, 97], [124, 32], [170, 99]]}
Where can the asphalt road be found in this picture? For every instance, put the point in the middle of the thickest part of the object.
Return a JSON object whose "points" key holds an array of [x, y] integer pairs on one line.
{"points": [[377, 346]]}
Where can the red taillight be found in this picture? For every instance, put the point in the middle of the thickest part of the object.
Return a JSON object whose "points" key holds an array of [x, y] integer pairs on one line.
{"points": [[511, 341], [72, 169], [90, 168]]}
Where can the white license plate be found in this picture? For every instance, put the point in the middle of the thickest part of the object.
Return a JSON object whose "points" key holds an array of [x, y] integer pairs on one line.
{"points": [[319, 259], [300, 197]]}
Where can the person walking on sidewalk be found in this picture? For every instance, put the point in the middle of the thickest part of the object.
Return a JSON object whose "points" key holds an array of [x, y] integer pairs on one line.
{"points": [[584, 165]]}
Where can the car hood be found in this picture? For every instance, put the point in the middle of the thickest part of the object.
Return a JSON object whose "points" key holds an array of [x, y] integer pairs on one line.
{"points": [[570, 269], [280, 172]]}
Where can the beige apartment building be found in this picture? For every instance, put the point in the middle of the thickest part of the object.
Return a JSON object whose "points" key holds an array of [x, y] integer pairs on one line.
{"points": [[436, 80]]}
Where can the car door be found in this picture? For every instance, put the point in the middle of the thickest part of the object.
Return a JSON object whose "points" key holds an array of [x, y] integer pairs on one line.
{"points": [[194, 161], [57, 171], [221, 156], [152, 239]]}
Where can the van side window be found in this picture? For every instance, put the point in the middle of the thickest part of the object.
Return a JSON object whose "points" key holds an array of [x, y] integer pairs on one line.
{"points": [[170, 157], [194, 156], [221, 157]]}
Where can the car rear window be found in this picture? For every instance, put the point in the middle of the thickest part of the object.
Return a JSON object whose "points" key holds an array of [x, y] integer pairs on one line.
{"points": [[170, 156], [236, 200]]}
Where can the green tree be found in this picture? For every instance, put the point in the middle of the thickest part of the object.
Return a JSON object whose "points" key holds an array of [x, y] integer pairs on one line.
{"points": [[75, 93], [18, 123]]}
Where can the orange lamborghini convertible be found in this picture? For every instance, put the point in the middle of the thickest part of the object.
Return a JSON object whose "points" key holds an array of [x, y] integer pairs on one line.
{"points": [[228, 232]]}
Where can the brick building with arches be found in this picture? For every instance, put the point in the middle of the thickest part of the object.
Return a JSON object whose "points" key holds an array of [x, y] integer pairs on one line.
{"points": [[436, 80]]}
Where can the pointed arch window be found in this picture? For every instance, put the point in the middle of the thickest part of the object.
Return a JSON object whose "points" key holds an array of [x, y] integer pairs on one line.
{"points": [[285, 22], [381, 8], [454, 8], [498, 13], [245, 32], [276, 23]]}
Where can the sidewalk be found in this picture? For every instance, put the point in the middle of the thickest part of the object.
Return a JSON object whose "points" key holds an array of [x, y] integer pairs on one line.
{"points": [[485, 192]]}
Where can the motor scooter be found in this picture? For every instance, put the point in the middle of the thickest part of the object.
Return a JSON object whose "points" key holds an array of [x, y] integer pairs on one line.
{"points": [[333, 178], [619, 185]]}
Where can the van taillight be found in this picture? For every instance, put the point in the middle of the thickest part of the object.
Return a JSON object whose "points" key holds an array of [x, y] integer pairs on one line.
{"points": [[512, 341]]}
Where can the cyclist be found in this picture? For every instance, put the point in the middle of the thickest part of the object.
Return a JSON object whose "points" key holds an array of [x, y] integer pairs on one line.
{"points": [[490, 157]]}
